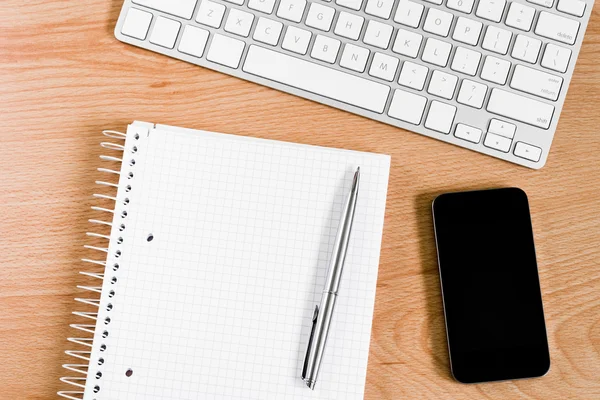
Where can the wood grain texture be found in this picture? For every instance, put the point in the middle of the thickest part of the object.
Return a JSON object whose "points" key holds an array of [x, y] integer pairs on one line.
{"points": [[63, 78]]}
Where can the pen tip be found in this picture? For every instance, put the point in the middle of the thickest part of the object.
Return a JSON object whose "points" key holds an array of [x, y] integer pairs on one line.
{"points": [[356, 178], [311, 384]]}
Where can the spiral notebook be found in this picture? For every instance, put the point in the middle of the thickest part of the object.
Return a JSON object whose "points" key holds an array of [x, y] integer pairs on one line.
{"points": [[216, 258]]}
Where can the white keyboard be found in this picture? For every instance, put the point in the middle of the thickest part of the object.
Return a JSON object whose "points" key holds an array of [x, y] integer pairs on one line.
{"points": [[488, 75]]}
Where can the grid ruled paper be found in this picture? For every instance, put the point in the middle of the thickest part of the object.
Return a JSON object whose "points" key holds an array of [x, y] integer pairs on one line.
{"points": [[218, 304]]}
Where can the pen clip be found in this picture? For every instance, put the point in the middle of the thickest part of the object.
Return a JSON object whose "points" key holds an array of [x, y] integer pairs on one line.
{"points": [[310, 339]]}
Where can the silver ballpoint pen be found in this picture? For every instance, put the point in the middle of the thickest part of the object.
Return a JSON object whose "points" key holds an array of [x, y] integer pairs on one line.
{"points": [[324, 311]]}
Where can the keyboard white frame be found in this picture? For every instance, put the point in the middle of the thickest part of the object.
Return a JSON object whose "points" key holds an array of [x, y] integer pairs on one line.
{"points": [[464, 114]]}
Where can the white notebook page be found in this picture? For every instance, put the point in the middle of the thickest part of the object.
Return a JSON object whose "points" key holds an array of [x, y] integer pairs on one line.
{"points": [[218, 305]]}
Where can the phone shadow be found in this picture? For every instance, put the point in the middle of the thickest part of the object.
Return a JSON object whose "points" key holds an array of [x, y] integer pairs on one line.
{"points": [[435, 324]]}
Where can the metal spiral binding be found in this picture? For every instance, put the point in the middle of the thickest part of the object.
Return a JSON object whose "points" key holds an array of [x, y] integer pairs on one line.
{"points": [[78, 381]]}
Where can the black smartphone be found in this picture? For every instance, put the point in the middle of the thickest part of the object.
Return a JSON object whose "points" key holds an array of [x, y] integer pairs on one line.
{"points": [[490, 286]]}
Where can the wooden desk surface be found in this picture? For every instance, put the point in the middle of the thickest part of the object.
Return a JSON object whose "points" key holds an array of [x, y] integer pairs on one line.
{"points": [[64, 77]]}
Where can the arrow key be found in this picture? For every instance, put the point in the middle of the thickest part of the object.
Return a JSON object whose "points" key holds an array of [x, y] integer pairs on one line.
{"points": [[528, 152], [502, 128], [497, 142], [468, 133]]}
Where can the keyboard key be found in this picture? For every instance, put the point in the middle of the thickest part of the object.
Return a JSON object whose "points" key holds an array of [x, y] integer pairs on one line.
{"points": [[466, 61], [239, 22], [520, 16], [193, 41], [502, 128], [352, 4], [265, 6], [436, 52], [165, 32], [178, 8], [407, 107], [413, 75], [528, 152], [267, 31], [495, 70], [236, 2], [296, 40], [440, 117], [325, 49], [465, 6], [471, 93], [379, 8], [291, 10], [409, 13], [407, 43], [442, 84], [210, 13], [496, 40], [354, 57], [349, 25], [378, 34], [384, 66], [438, 22], [536, 82], [520, 108], [544, 3], [556, 58], [320, 16], [526, 49], [573, 7], [491, 9], [225, 51], [467, 31], [316, 78], [556, 27], [497, 142], [137, 23], [468, 133]]}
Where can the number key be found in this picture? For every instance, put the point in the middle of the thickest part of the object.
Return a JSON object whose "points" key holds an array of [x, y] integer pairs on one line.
{"points": [[465, 6]]}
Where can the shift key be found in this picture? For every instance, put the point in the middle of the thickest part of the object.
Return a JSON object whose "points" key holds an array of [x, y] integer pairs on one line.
{"points": [[520, 108]]}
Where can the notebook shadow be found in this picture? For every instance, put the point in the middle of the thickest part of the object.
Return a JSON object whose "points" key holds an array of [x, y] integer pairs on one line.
{"points": [[318, 282]]}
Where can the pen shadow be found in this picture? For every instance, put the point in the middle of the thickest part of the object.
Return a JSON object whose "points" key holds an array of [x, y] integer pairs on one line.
{"points": [[328, 233]]}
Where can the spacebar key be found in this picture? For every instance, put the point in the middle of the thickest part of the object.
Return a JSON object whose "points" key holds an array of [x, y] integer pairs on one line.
{"points": [[316, 79]]}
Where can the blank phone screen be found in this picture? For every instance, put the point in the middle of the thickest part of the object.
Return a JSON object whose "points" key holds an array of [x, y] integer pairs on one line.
{"points": [[490, 285]]}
